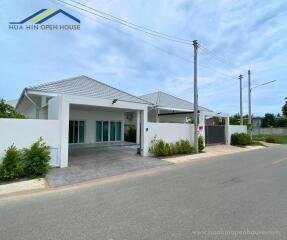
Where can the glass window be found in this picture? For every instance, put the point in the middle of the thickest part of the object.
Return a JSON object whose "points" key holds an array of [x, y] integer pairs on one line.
{"points": [[99, 131], [105, 131], [71, 124], [81, 132], [112, 131], [119, 131], [76, 131]]}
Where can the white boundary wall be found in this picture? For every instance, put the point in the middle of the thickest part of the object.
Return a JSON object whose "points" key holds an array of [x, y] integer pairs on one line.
{"points": [[235, 129], [270, 131], [169, 132], [24, 132]]}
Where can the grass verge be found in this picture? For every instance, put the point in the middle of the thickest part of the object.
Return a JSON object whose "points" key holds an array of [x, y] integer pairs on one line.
{"points": [[277, 139]]}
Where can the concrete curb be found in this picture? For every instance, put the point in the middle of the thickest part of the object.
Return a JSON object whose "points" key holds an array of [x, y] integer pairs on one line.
{"points": [[216, 151], [23, 186]]}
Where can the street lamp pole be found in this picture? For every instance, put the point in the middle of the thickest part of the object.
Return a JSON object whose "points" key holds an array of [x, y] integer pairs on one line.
{"points": [[250, 89]]}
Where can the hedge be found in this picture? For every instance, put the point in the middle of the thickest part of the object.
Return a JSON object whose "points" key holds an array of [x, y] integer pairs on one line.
{"points": [[161, 148], [240, 139], [29, 162]]}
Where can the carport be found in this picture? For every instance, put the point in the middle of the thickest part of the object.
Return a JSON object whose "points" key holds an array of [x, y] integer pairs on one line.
{"points": [[98, 132], [89, 121], [87, 163]]}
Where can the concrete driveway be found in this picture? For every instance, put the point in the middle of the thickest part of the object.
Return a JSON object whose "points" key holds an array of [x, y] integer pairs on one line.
{"points": [[91, 163]]}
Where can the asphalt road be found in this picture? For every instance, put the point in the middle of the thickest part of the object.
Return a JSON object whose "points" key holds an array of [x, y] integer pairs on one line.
{"points": [[243, 196]]}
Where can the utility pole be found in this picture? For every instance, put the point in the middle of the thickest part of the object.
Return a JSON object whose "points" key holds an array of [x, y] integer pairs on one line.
{"points": [[249, 98], [195, 94], [241, 113]]}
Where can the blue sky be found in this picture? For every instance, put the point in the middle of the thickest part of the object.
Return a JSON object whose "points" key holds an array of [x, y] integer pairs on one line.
{"points": [[246, 34]]}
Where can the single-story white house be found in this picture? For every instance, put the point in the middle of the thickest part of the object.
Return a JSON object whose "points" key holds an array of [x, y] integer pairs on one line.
{"points": [[84, 112]]}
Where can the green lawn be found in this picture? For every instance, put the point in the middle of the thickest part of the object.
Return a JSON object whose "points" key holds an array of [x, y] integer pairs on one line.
{"points": [[277, 139]]}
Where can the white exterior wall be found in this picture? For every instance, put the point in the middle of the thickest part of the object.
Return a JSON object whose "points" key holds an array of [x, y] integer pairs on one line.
{"points": [[169, 132], [91, 116], [27, 109], [270, 131], [54, 108], [24, 132], [235, 129], [43, 114]]}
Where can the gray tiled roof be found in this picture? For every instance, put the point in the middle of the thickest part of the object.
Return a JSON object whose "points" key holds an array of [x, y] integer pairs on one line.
{"points": [[86, 87], [165, 100]]}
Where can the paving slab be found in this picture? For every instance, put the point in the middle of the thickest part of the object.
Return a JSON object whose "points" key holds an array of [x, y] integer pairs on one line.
{"points": [[92, 163]]}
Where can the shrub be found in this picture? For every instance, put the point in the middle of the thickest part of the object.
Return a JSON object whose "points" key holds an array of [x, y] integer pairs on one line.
{"points": [[161, 148], [12, 166], [200, 143], [130, 135], [36, 159], [270, 140], [241, 139], [184, 147]]}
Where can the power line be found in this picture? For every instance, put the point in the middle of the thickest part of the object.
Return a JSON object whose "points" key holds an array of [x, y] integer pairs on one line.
{"points": [[134, 27], [133, 24], [137, 27], [217, 57], [155, 46]]}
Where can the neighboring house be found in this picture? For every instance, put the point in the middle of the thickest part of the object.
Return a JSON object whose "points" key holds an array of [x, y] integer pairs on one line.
{"points": [[12, 102], [256, 122], [170, 109], [83, 112]]}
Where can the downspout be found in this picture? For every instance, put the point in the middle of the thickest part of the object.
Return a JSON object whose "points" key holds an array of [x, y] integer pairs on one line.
{"points": [[36, 106]]}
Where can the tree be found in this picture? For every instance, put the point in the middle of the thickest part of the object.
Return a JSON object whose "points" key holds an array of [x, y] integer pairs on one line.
{"points": [[281, 121], [7, 111], [269, 120], [284, 109], [235, 119]]}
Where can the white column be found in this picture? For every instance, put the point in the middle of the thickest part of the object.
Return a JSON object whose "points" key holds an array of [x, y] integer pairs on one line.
{"points": [[144, 129], [64, 128], [138, 124], [201, 123], [227, 140]]}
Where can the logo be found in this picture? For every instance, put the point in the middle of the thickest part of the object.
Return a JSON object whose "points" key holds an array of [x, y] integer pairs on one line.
{"points": [[37, 21]]}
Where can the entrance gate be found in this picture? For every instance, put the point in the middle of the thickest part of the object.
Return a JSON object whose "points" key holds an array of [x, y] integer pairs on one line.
{"points": [[215, 134]]}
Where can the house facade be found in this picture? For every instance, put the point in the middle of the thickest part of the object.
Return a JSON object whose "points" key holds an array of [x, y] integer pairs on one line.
{"points": [[83, 112], [89, 112]]}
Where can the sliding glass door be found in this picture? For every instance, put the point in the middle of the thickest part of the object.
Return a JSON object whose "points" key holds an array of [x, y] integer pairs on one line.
{"points": [[112, 131], [76, 131], [119, 131], [99, 131], [105, 131], [108, 131]]}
